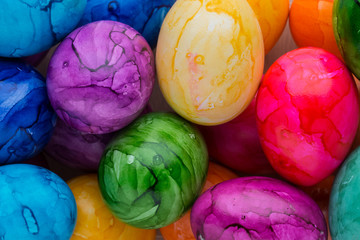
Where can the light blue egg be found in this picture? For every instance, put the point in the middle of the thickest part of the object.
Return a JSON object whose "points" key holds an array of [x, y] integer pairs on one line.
{"points": [[146, 16], [29, 27], [35, 204]]}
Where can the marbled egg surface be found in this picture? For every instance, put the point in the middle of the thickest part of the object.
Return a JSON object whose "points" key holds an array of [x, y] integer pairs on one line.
{"points": [[95, 221], [256, 208], [307, 114], [100, 77], [146, 16], [35, 204], [346, 23], [153, 170], [28, 27], [210, 59], [344, 210], [26, 117]]}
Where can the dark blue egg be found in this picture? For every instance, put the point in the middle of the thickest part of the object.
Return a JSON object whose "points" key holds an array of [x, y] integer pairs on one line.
{"points": [[26, 117], [35, 204], [29, 27], [146, 16]]}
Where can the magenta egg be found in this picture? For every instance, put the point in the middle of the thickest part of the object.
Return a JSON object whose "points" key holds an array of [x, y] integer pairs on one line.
{"points": [[256, 208], [100, 77], [236, 144], [307, 114]]}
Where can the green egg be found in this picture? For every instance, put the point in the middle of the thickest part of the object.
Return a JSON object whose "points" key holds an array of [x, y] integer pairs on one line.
{"points": [[346, 22], [153, 170], [344, 208]]}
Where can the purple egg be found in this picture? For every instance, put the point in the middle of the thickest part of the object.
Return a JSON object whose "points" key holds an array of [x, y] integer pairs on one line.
{"points": [[77, 149], [256, 208], [100, 77]]}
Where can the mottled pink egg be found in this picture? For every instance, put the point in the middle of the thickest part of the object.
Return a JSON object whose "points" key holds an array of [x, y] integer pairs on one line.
{"points": [[100, 77], [256, 208], [307, 114], [236, 144]]}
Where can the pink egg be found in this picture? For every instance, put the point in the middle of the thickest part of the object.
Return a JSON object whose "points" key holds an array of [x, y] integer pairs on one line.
{"points": [[236, 144], [307, 114]]}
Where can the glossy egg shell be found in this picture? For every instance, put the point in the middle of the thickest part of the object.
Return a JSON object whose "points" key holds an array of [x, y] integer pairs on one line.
{"points": [[209, 59], [95, 221], [152, 171], [26, 117], [30, 27], [35, 204], [307, 114], [256, 208], [103, 92]]}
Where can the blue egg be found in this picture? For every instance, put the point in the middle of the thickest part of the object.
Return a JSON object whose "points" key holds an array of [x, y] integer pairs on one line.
{"points": [[146, 16], [26, 117], [28, 27], [35, 204]]}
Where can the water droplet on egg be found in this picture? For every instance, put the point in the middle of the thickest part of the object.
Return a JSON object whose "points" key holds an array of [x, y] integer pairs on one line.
{"points": [[130, 159], [192, 136], [157, 159], [11, 149]]}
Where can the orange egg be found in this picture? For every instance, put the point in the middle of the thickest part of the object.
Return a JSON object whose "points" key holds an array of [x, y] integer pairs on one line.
{"points": [[311, 24], [94, 220], [181, 229], [272, 16]]}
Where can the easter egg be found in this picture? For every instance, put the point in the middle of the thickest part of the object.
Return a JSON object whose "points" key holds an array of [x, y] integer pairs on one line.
{"points": [[76, 149], [95, 221], [344, 212], [152, 171], [28, 27], [256, 208], [311, 24], [35, 204], [181, 229], [146, 16], [346, 16], [210, 59], [100, 77], [307, 114], [26, 117], [272, 16], [236, 144]]}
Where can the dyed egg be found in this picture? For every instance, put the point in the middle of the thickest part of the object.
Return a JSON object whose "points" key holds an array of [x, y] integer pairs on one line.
{"points": [[346, 23], [26, 117], [311, 24], [256, 208], [30, 27], [95, 221], [344, 211], [77, 149], [236, 144], [153, 170], [210, 59], [307, 114], [35, 204], [321, 194], [272, 16], [103, 92], [146, 16], [181, 229]]}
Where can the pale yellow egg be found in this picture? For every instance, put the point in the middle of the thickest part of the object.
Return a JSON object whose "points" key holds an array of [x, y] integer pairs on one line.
{"points": [[210, 59]]}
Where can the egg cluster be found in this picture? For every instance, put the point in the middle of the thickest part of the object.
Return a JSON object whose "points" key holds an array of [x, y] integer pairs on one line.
{"points": [[246, 151]]}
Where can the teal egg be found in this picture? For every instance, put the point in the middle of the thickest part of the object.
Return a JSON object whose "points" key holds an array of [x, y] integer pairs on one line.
{"points": [[346, 23], [153, 170], [344, 208]]}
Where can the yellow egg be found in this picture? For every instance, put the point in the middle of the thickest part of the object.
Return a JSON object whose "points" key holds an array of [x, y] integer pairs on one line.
{"points": [[272, 16], [210, 59], [94, 220]]}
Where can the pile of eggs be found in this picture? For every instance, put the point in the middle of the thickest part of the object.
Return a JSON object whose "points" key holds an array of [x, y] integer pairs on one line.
{"points": [[245, 152]]}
